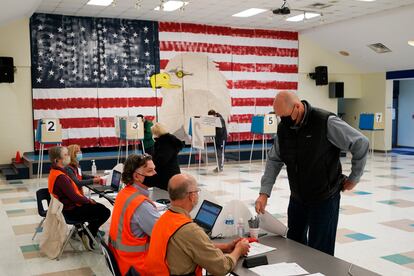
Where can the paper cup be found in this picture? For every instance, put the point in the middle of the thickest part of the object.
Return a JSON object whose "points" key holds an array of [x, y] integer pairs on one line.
{"points": [[254, 233]]}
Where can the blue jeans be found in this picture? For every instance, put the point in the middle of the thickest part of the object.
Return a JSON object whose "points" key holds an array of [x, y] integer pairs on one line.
{"points": [[314, 224]]}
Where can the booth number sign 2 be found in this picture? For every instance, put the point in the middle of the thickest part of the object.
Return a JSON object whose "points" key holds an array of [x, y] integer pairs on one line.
{"points": [[50, 125]]}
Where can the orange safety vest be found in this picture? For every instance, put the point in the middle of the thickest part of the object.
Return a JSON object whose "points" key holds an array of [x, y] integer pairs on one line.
{"points": [[78, 176], [166, 226], [127, 248], [53, 174]]}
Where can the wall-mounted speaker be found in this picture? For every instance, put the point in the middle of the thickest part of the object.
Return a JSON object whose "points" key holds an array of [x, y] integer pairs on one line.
{"points": [[336, 90], [6, 69], [320, 76]]}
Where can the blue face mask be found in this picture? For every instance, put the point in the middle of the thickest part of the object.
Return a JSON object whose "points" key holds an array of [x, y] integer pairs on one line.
{"points": [[79, 156]]}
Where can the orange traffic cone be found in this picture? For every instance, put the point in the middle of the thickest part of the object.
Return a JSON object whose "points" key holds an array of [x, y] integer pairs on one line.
{"points": [[18, 158]]}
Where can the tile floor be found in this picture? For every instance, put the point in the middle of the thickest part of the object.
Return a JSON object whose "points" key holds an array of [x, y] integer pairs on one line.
{"points": [[375, 228]]}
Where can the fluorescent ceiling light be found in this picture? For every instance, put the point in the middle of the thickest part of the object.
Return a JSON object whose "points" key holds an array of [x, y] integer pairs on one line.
{"points": [[100, 2], [366, 0], [249, 12], [303, 16], [411, 43], [172, 5]]}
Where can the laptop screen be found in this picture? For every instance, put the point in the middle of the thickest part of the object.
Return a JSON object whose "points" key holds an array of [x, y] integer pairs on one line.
{"points": [[116, 179], [207, 215]]}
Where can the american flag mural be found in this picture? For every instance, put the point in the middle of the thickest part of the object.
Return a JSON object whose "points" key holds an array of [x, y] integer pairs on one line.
{"points": [[86, 71]]}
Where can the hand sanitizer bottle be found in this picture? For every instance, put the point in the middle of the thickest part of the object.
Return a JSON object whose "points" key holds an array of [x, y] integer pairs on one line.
{"points": [[93, 168]]}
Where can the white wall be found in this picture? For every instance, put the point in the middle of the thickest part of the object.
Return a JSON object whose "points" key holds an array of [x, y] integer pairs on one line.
{"points": [[16, 98], [376, 97], [312, 55], [406, 114]]}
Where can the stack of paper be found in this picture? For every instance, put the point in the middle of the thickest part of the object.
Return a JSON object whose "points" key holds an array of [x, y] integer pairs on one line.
{"points": [[258, 248], [280, 269]]}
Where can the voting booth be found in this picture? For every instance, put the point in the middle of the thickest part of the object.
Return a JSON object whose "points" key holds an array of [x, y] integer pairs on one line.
{"points": [[129, 129], [263, 124], [48, 131], [201, 127], [372, 122]]}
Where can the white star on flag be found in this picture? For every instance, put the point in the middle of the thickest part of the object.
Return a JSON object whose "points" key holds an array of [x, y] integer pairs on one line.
{"points": [[95, 73], [135, 34], [115, 35], [74, 71], [61, 81], [136, 60], [86, 78], [51, 35], [39, 68], [125, 66], [60, 29], [72, 34], [145, 29], [82, 29], [61, 66], [116, 74], [136, 72], [51, 59], [146, 40], [122, 29], [104, 29], [125, 78], [115, 60], [39, 80], [51, 72], [147, 54]]}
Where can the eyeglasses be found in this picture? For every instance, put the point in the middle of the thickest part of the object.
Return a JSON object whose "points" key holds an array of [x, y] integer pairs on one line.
{"points": [[198, 190]]}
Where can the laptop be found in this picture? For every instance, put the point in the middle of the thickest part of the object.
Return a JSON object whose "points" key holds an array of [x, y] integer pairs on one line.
{"points": [[207, 215], [114, 187]]}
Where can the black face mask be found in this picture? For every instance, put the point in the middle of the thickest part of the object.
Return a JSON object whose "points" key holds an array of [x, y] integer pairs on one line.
{"points": [[287, 120]]}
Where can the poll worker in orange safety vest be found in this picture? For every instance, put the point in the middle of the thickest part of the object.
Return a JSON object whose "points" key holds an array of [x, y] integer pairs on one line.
{"points": [[179, 246], [133, 216], [76, 206]]}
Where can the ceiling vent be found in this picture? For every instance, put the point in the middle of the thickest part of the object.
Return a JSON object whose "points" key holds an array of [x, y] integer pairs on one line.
{"points": [[379, 48], [318, 6]]}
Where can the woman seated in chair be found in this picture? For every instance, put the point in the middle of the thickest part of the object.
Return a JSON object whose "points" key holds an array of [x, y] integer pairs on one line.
{"points": [[74, 171], [76, 207]]}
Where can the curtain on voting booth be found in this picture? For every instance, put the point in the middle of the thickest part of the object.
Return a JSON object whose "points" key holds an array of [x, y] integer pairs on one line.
{"points": [[86, 71]]}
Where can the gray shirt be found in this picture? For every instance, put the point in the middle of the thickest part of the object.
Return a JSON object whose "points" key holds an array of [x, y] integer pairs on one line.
{"points": [[145, 216], [341, 135]]}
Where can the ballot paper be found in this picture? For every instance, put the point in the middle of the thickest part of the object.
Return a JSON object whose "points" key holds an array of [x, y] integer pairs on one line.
{"points": [[272, 225], [258, 248], [279, 269]]}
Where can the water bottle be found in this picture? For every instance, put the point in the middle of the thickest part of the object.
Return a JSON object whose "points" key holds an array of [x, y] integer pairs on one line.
{"points": [[240, 228], [229, 222], [93, 168]]}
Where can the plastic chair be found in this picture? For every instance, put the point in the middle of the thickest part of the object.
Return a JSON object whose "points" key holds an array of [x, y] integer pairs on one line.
{"points": [[110, 259], [41, 195]]}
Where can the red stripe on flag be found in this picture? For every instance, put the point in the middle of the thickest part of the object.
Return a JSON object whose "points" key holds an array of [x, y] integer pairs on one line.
{"points": [[249, 67], [255, 84], [228, 31], [241, 118], [252, 101], [65, 103], [59, 104], [182, 46]]}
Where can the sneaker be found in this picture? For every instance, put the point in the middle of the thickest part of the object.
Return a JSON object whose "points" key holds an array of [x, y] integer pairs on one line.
{"points": [[217, 170], [87, 242]]}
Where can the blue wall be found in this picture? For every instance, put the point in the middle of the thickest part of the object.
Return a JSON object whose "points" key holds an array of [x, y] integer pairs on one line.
{"points": [[406, 114]]}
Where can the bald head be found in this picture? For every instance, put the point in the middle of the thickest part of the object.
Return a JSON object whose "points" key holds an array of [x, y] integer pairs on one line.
{"points": [[179, 186], [284, 102]]}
